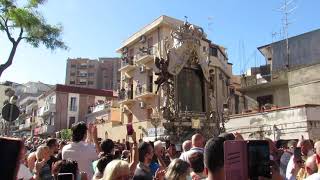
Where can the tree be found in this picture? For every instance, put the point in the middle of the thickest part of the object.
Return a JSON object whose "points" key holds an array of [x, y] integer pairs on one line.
{"points": [[26, 23], [66, 134]]}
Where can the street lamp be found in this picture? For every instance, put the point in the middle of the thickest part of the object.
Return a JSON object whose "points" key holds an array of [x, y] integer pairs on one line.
{"points": [[155, 121]]}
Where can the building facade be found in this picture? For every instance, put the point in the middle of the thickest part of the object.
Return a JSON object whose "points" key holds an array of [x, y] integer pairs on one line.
{"points": [[288, 78], [96, 74], [174, 81], [64, 105], [281, 123], [27, 94], [82, 72], [281, 98], [109, 76]]}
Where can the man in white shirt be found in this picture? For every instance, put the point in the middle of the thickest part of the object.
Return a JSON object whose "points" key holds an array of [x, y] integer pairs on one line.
{"points": [[79, 150], [294, 167], [23, 173], [197, 146], [316, 176]]}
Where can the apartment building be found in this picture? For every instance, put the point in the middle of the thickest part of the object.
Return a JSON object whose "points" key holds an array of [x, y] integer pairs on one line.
{"points": [[281, 98], [82, 72], [197, 87], [27, 94], [109, 76], [91, 73], [286, 79], [64, 105]]}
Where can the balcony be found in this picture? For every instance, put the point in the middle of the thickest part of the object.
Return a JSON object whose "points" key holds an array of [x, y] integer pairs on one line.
{"points": [[24, 127], [47, 129], [256, 82], [49, 108], [143, 92], [126, 97], [127, 66], [145, 56]]}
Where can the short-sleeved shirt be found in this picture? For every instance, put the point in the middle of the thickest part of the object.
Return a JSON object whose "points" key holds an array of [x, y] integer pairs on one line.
{"points": [[185, 155], [83, 153], [315, 176], [45, 173], [24, 173], [142, 173]]}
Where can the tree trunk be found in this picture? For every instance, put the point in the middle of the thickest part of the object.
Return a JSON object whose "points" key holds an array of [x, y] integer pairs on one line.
{"points": [[10, 58]]}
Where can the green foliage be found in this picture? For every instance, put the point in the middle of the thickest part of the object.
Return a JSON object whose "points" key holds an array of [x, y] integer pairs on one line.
{"points": [[66, 134], [35, 28], [25, 22]]}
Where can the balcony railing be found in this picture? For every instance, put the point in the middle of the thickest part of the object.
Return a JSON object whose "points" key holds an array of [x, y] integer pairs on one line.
{"points": [[126, 96], [144, 91], [47, 129], [127, 64], [144, 56], [49, 108]]}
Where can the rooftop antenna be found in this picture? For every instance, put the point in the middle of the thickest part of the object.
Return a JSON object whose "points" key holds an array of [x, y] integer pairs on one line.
{"points": [[274, 35], [287, 9], [186, 18], [210, 22]]}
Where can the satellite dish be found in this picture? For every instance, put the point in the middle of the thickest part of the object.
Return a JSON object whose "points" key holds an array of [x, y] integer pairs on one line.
{"points": [[10, 112]]}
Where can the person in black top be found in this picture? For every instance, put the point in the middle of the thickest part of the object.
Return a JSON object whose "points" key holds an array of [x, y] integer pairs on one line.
{"points": [[143, 171], [61, 145], [53, 145]]}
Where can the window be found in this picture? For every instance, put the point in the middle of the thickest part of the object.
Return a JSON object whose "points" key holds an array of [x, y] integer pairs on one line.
{"points": [[73, 104], [150, 42], [83, 65], [91, 66], [263, 100], [149, 113], [72, 74], [90, 82], [131, 52], [192, 87], [90, 74], [213, 51], [82, 83], [83, 74], [72, 82], [73, 65]]}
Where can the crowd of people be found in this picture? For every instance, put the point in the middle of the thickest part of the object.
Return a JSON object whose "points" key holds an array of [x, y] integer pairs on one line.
{"points": [[87, 157]]}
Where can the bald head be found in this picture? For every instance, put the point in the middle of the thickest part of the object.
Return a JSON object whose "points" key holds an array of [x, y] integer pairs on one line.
{"points": [[197, 140], [186, 145], [311, 165]]}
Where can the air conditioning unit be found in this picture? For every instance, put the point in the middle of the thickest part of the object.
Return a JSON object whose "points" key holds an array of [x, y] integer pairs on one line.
{"points": [[142, 69], [142, 39], [142, 105]]}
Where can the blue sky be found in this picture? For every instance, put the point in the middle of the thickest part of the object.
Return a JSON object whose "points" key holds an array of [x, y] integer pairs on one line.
{"points": [[95, 28]]}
